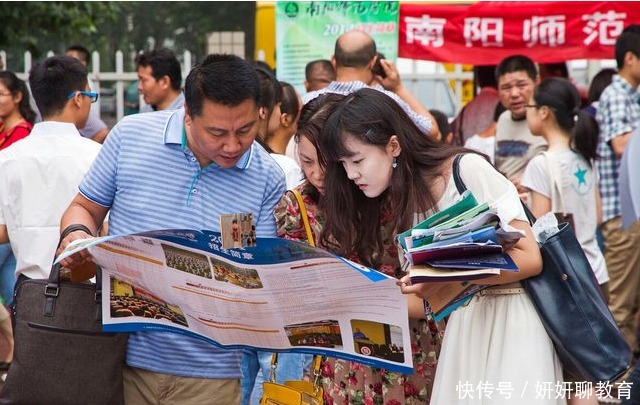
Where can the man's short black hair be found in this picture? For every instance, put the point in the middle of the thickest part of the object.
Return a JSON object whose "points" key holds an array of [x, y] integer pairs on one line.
{"points": [[221, 78], [83, 52], [628, 41], [163, 62], [53, 79], [516, 63]]}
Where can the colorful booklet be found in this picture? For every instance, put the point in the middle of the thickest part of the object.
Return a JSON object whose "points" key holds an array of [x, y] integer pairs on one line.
{"points": [[454, 246], [424, 273]]}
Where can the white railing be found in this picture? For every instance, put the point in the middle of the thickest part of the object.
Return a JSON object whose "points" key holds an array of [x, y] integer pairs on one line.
{"points": [[431, 88], [119, 76]]}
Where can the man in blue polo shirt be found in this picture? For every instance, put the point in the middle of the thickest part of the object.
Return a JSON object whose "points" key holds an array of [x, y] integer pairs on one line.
{"points": [[182, 169]]}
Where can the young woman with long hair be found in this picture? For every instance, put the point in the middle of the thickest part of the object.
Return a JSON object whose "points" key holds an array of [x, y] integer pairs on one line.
{"points": [[380, 167]]}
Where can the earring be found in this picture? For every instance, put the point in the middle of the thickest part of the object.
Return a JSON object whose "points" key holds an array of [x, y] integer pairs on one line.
{"points": [[395, 163]]}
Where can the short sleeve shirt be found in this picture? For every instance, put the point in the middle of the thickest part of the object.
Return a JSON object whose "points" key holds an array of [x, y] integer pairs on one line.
{"points": [[577, 187], [150, 181], [618, 113]]}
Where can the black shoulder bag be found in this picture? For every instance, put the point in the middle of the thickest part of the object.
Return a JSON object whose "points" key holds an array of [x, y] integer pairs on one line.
{"points": [[571, 306]]}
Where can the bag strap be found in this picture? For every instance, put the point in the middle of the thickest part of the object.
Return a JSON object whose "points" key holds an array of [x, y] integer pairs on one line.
{"points": [[305, 217], [463, 187], [557, 204], [317, 362], [456, 174]]}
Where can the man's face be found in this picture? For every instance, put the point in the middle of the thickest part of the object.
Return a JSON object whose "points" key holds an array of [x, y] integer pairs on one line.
{"points": [[515, 90], [153, 91], [222, 134]]}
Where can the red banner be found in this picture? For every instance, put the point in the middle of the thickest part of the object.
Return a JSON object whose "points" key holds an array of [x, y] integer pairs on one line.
{"points": [[486, 32]]}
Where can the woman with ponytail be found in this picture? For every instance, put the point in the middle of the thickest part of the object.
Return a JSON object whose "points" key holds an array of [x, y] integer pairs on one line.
{"points": [[572, 135]]}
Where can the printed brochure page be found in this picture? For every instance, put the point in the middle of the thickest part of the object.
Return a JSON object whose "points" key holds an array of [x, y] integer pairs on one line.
{"points": [[279, 294]]}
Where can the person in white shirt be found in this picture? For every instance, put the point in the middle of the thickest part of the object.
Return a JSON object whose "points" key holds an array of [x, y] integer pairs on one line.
{"points": [[47, 166]]}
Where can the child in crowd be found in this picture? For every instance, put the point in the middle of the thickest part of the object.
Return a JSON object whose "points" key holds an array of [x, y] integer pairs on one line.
{"points": [[382, 169]]}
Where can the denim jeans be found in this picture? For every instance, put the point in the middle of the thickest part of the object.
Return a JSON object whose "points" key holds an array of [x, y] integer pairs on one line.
{"points": [[634, 380], [256, 366], [7, 273]]}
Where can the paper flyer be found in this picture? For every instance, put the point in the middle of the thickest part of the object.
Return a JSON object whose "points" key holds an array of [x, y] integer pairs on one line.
{"points": [[278, 295]]}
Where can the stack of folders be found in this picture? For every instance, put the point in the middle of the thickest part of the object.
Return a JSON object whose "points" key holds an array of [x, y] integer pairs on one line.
{"points": [[460, 243]]}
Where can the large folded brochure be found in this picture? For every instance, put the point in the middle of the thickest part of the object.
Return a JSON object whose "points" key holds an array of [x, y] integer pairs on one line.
{"points": [[461, 243], [279, 295]]}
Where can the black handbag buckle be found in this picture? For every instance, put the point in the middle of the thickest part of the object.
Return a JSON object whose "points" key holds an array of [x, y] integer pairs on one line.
{"points": [[51, 290]]}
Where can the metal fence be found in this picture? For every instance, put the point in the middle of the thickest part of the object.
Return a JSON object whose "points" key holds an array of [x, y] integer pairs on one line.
{"points": [[432, 89], [116, 80]]}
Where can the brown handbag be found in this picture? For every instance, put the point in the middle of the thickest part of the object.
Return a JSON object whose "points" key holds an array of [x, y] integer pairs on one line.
{"points": [[61, 354]]}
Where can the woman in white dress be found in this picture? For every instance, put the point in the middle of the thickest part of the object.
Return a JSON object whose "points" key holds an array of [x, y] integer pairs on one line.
{"points": [[495, 349]]}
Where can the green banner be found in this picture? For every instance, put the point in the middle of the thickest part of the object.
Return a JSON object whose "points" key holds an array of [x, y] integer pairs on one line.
{"points": [[307, 30]]}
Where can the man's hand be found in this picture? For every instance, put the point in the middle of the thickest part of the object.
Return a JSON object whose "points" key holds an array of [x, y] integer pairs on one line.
{"points": [[77, 259], [392, 82]]}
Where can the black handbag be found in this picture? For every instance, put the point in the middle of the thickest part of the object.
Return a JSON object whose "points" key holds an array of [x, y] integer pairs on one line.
{"points": [[61, 355], [572, 308]]}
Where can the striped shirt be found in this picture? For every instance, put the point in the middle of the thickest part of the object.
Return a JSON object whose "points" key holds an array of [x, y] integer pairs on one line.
{"points": [[346, 88], [150, 181], [618, 113]]}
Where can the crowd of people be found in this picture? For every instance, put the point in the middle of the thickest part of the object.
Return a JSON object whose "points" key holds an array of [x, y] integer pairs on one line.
{"points": [[369, 161]]}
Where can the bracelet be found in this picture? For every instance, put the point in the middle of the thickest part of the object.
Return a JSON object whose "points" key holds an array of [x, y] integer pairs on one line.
{"points": [[74, 227]]}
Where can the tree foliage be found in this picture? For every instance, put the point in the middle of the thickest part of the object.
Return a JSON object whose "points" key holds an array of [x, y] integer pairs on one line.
{"points": [[27, 24], [42, 26]]}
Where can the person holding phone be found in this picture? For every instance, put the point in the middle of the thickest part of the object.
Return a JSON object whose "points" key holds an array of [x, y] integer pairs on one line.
{"points": [[358, 65]]}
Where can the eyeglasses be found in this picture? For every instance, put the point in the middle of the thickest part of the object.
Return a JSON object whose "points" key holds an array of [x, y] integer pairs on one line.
{"points": [[93, 96], [532, 106], [6, 94]]}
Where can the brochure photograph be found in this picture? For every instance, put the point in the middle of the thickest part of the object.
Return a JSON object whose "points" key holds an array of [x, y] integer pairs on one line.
{"points": [[273, 294]]}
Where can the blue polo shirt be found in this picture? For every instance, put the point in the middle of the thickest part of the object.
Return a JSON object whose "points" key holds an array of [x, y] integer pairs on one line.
{"points": [[149, 180]]}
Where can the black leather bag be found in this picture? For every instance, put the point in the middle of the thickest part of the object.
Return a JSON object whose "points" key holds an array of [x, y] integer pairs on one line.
{"points": [[574, 312], [61, 355], [572, 308]]}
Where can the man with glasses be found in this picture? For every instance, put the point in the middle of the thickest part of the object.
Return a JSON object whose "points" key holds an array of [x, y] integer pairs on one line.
{"points": [[39, 175], [95, 128], [517, 76]]}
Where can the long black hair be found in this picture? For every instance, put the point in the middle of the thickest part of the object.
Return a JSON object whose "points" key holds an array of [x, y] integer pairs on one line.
{"points": [[562, 97], [354, 221], [15, 86]]}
